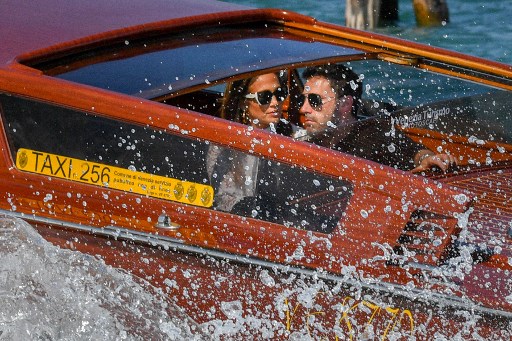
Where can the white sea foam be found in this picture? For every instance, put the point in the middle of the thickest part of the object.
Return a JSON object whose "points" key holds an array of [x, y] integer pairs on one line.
{"points": [[49, 293]]}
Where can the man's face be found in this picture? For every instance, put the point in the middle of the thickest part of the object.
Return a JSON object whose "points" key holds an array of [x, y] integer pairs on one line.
{"points": [[318, 115]]}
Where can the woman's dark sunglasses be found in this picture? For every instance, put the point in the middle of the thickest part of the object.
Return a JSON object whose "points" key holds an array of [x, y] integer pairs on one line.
{"points": [[265, 97], [315, 101]]}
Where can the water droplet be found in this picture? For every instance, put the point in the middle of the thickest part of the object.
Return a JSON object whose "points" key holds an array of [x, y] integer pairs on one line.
{"points": [[461, 199]]}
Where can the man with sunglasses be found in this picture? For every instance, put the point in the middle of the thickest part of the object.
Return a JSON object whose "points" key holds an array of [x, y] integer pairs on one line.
{"points": [[330, 102]]}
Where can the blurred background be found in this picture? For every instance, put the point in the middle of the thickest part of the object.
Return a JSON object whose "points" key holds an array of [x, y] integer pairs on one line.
{"points": [[481, 28]]}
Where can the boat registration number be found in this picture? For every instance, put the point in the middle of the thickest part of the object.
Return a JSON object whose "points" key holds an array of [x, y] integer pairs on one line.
{"points": [[114, 177]]}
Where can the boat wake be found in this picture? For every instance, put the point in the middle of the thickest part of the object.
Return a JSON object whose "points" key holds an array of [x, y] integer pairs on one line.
{"points": [[49, 293]]}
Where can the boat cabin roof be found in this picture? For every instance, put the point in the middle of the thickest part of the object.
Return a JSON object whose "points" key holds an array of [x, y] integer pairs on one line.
{"points": [[28, 26]]}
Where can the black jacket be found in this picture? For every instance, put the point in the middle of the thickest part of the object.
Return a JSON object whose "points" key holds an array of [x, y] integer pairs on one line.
{"points": [[374, 139]]}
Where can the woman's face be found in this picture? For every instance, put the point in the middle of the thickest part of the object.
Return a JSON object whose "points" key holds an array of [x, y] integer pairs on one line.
{"points": [[262, 115]]}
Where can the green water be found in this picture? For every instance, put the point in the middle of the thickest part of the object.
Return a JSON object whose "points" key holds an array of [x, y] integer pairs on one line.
{"points": [[481, 28]]}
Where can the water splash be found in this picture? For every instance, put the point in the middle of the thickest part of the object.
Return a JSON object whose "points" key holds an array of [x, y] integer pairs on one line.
{"points": [[49, 293]]}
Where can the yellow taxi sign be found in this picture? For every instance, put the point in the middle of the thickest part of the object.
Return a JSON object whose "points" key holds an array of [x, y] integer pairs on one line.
{"points": [[114, 177]]}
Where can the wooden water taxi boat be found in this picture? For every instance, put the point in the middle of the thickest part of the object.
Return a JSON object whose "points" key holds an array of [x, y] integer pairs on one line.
{"points": [[108, 114]]}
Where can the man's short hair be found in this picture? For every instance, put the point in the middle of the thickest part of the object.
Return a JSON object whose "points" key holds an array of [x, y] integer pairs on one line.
{"points": [[343, 80]]}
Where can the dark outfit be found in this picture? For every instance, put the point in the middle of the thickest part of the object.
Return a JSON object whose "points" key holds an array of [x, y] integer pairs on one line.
{"points": [[374, 139]]}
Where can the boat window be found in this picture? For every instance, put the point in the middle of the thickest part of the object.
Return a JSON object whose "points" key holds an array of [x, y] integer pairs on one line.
{"points": [[410, 96], [416, 98], [410, 86], [255, 187], [243, 184], [156, 67], [405, 86], [483, 117], [60, 131], [407, 98]]}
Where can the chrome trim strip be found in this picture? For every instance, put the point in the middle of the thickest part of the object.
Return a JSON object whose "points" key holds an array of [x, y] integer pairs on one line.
{"points": [[466, 71], [175, 244]]}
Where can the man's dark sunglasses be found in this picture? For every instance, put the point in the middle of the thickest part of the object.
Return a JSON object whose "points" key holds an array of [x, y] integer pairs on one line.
{"points": [[265, 97], [315, 101]]}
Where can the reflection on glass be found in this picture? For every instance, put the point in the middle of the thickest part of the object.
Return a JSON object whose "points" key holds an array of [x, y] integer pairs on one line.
{"points": [[259, 188]]}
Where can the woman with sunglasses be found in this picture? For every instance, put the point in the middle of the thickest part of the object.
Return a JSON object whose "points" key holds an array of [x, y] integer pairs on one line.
{"points": [[258, 102], [330, 103], [242, 183]]}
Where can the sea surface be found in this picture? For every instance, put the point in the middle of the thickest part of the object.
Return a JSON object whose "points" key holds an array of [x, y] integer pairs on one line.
{"points": [[481, 28]]}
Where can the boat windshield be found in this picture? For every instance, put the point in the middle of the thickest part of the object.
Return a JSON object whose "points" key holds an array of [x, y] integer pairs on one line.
{"points": [[155, 67]]}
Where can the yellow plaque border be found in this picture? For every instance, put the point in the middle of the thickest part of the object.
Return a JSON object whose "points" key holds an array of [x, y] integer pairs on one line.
{"points": [[122, 179]]}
